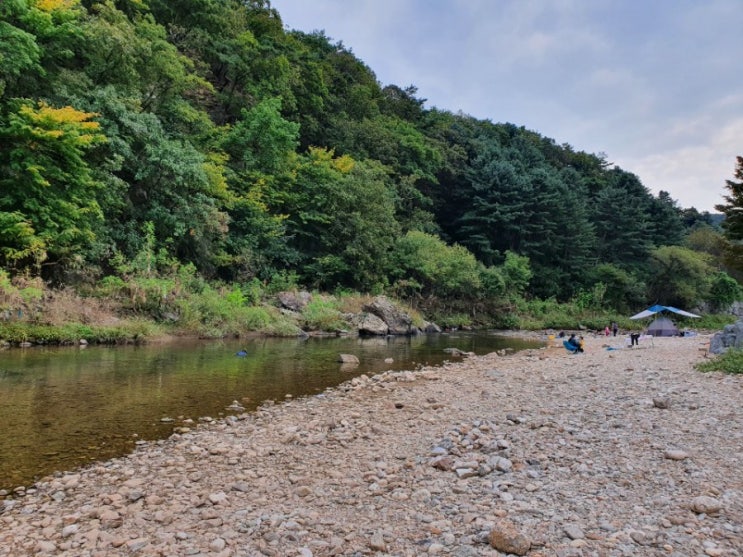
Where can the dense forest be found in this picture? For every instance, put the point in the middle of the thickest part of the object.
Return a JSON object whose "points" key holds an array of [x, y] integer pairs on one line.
{"points": [[145, 137]]}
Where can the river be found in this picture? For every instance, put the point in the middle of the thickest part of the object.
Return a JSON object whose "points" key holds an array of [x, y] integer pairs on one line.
{"points": [[62, 407]]}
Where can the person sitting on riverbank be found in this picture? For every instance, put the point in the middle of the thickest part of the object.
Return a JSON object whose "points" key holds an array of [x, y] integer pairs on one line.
{"points": [[574, 345]]}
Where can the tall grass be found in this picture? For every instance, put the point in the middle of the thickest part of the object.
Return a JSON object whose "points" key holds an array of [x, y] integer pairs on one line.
{"points": [[322, 314], [72, 333]]}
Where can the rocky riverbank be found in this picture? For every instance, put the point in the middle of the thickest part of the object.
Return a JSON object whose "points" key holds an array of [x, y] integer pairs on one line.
{"points": [[611, 452]]}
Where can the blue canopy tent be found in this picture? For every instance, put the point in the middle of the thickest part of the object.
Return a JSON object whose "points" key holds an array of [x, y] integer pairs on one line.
{"points": [[662, 326]]}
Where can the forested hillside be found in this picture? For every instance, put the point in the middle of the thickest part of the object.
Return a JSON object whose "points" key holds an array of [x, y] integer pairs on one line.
{"points": [[148, 136]]}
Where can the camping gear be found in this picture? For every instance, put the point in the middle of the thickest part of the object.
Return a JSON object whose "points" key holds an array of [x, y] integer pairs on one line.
{"points": [[662, 326], [657, 309]]}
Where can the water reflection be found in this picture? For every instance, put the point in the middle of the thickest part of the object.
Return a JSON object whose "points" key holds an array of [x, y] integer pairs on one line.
{"points": [[64, 407]]}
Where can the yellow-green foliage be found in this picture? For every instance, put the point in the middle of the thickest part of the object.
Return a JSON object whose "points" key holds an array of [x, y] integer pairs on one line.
{"points": [[54, 5]]}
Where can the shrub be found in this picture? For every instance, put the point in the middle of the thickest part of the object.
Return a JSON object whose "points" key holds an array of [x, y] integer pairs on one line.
{"points": [[456, 321], [729, 362], [253, 291], [283, 327], [711, 322], [71, 333], [322, 314], [255, 318], [724, 290], [110, 286], [442, 270], [282, 281]]}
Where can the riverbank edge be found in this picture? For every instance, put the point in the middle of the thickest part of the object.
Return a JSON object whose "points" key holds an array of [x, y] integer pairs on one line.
{"points": [[272, 432]]}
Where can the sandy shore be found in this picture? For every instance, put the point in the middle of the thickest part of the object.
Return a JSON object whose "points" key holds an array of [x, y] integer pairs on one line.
{"points": [[613, 452]]}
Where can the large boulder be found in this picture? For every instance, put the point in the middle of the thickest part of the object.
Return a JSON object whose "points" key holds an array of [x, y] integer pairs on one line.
{"points": [[430, 327], [398, 322], [730, 337], [370, 324], [348, 359], [294, 301]]}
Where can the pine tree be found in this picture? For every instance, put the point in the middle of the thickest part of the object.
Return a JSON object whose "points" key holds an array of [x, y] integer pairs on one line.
{"points": [[733, 223]]}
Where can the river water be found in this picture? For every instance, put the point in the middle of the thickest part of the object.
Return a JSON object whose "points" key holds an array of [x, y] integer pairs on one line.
{"points": [[62, 407]]}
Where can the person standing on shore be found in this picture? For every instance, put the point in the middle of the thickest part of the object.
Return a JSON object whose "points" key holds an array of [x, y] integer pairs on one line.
{"points": [[615, 328]]}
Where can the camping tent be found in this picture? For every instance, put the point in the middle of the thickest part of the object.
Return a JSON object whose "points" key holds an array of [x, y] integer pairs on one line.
{"points": [[662, 326]]}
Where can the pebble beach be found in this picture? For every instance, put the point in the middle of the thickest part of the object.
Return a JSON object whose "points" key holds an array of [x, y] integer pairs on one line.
{"points": [[619, 451]]}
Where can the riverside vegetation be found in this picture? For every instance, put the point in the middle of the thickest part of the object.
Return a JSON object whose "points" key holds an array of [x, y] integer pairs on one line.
{"points": [[169, 167], [183, 161], [144, 310]]}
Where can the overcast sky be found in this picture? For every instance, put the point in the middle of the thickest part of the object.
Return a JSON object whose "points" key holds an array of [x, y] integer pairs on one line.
{"points": [[656, 85]]}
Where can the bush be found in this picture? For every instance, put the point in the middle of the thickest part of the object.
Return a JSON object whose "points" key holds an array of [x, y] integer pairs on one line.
{"points": [[442, 270], [322, 314], [110, 286], [283, 327], [282, 281], [131, 332], [729, 362], [455, 321], [724, 290], [255, 318], [711, 322]]}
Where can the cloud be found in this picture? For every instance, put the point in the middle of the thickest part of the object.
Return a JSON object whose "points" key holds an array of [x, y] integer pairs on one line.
{"points": [[652, 84], [694, 173]]}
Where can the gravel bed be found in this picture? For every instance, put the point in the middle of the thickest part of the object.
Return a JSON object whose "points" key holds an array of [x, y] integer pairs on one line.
{"points": [[614, 452]]}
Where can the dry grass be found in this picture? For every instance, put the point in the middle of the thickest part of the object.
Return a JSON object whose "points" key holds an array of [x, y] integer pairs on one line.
{"points": [[30, 300], [66, 306], [353, 303]]}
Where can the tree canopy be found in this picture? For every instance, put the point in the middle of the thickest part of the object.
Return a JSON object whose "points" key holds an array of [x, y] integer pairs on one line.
{"points": [[205, 131]]}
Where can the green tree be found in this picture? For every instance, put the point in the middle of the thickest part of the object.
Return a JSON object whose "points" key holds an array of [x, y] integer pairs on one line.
{"points": [[438, 269], [724, 290], [665, 224], [733, 223], [19, 52], [624, 291], [621, 228], [678, 277], [19, 243], [160, 179], [261, 163], [709, 240], [262, 143], [691, 218], [341, 219], [413, 159], [517, 273], [47, 191]]}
